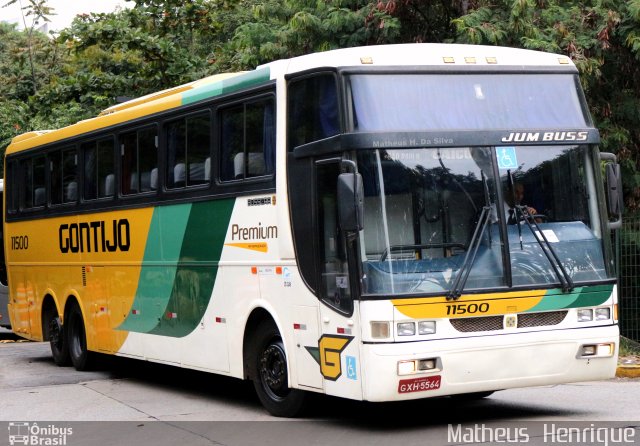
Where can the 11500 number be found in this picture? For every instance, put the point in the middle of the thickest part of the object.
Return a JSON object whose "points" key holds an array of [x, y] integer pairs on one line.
{"points": [[459, 309]]}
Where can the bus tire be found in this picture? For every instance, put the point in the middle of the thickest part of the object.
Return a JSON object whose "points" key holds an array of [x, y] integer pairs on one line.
{"points": [[58, 341], [77, 340], [270, 374]]}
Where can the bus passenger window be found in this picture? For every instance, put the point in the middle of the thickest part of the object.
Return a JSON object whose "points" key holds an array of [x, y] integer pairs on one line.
{"points": [[39, 186], [26, 200], [248, 140], [189, 151], [69, 175], [139, 161], [55, 177], [98, 169]]}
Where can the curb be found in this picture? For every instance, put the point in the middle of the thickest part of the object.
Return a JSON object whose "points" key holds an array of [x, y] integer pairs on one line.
{"points": [[628, 371]]}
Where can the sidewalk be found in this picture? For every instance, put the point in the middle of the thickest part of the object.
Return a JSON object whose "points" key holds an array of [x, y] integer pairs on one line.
{"points": [[628, 367]]}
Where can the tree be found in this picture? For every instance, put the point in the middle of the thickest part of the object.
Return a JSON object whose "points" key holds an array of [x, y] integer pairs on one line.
{"points": [[283, 29]]}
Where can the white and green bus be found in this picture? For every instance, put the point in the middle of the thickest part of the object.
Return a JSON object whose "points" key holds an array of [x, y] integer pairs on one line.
{"points": [[334, 223]]}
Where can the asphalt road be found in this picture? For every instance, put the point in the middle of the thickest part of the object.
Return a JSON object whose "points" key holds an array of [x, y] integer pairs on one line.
{"points": [[133, 402]]}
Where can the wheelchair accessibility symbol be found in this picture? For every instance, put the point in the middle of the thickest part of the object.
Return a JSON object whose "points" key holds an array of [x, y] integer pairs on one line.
{"points": [[351, 367], [507, 158]]}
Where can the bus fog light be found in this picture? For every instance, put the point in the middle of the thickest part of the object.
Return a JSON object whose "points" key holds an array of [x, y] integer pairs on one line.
{"points": [[426, 327], [603, 314], [426, 364], [585, 315], [406, 329], [406, 367], [605, 350], [589, 350], [380, 330]]}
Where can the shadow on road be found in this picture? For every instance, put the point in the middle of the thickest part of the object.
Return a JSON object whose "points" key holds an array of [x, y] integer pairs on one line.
{"points": [[384, 417]]}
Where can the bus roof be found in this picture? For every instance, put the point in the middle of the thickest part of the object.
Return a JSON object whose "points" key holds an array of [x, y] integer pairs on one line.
{"points": [[415, 54]]}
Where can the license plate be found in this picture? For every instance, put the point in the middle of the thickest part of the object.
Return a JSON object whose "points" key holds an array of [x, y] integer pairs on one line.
{"points": [[419, 384]]}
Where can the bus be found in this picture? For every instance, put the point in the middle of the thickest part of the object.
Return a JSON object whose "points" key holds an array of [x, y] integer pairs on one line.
{"points": [[4, 290], [332, 223]]}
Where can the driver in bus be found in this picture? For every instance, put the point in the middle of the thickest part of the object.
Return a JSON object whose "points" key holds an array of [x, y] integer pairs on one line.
{"points": [[516, 194]]}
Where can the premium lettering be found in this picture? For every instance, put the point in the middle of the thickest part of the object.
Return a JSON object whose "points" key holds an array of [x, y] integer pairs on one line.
{"points": [[253, 233], [95, 236]]}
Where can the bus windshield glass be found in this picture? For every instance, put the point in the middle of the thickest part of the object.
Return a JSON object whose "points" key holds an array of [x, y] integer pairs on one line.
{"points": [[433, 214], [426, 102]]}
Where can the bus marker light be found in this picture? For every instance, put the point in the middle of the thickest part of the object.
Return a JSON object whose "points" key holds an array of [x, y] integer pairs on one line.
{"points": [[366, 60], [299, 326], [471, 60], [342, 330], [254, 270], [136, 312], [171, 315], [491, 60], [447, 59], [380, 330], [221, 320], [278, 270], [615, 312]]}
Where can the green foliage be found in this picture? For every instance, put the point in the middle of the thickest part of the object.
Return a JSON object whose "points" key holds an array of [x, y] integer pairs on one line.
{"points": [[282, 29]]}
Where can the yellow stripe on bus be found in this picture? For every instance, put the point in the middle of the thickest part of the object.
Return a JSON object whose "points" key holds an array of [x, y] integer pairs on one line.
{"points": [[469, 305]]}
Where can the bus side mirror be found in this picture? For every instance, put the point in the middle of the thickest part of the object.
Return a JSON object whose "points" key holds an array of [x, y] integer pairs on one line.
{"points": [[614, 190], [350, 202]]}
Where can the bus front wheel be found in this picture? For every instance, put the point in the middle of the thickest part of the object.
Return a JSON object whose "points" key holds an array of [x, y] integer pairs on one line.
{"points": [[270, 374], [77, 339]]}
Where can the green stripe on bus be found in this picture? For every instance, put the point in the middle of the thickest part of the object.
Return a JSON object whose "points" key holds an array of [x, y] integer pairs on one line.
{"points": [[229, 85], [160, 264], [581, 297], [197, 268]]}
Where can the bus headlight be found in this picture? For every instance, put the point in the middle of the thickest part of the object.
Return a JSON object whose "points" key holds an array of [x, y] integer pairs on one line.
{"points": [[426, 327], [603, 314], [585, 315], [406, 329]]}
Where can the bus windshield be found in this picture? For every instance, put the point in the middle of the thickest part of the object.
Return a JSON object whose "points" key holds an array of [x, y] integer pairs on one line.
{"points": [[424, 102], [497, 215]]}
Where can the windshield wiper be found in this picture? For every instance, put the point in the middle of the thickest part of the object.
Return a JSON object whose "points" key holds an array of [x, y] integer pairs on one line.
{"points": [[465, 269], [522, 213], [561, 273]]}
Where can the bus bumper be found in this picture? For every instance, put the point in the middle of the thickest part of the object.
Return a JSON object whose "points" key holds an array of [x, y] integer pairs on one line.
{"points": [[487, 363]]}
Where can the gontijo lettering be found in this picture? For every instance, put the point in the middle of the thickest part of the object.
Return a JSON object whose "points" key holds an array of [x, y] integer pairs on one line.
{"points": [[95, 236]]}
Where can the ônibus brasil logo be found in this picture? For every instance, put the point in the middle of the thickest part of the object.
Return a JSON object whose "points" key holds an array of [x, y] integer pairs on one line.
{"points": [[30, 434]]}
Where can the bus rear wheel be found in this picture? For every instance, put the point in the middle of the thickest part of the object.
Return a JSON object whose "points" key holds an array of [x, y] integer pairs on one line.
{"points": [[58, 341], [77, 338], [270, 374]]}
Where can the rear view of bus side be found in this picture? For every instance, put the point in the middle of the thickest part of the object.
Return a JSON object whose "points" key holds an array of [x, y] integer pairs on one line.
{"points": [[343, 222]]}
